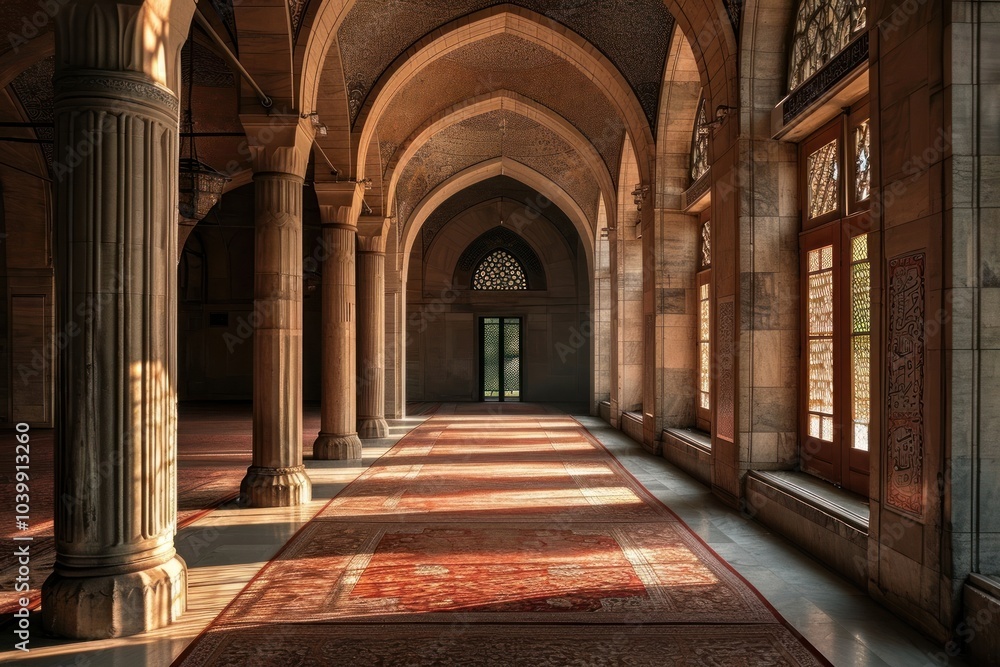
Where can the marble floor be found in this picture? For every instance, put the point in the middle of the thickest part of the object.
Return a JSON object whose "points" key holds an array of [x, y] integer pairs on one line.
{"points": [[228, 546]]}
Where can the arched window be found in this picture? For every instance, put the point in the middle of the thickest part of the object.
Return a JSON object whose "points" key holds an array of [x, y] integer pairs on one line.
{"points": [[699, 144], [499, 270], [822, 29]]}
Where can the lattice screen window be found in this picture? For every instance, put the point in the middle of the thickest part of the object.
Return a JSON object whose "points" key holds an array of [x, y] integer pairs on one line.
{"points": [[699, 145], [500, 271], [824, 180], [862, 162], [705, 347], [861, 342], [819, 316], [706, 244], [823, 28]]}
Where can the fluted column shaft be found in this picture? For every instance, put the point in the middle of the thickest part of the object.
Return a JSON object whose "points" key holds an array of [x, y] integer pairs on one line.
{"points": [[277, 476], [371, 330], [338, 439], [116, 571]]}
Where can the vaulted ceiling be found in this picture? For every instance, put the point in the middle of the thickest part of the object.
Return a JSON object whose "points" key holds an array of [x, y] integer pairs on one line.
{"points": [[633, 34], [419, 93]]}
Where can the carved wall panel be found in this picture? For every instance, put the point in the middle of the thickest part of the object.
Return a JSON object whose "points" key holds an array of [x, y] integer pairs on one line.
{"points": [[725, 364], [905, 447]]}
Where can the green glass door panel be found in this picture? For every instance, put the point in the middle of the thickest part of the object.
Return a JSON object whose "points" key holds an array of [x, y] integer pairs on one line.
{"points": [[500, 347]]}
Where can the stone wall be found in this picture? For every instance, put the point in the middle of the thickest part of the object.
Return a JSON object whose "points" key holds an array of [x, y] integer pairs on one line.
{"points": [[442, 345], [216, 319]]}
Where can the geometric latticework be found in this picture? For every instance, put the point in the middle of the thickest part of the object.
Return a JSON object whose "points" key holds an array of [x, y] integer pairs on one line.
{"points": [[861, 342], [500, 271], [501, 360], [705, 348], [819, 318], [706, 244], [862, 162], [512, 359], [491, 358], [824, 180], [823, 28], [699, 144]]}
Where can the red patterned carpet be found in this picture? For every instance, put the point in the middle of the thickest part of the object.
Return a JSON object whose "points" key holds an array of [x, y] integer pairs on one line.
{"points": [[497, 540], [213, 454]]}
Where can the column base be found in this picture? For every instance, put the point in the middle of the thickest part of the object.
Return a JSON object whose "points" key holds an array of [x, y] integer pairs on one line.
{"points": [[117, 605], [275, 487], [337, 447], [371, 428]]}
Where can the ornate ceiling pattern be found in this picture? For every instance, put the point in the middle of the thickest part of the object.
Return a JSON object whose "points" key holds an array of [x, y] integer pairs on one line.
{"points": [[296, 9], [481, 138], [224, 8], [633, 34], [33, 88], [510, 191], [504, 62], [210, 71], [735, 10]]}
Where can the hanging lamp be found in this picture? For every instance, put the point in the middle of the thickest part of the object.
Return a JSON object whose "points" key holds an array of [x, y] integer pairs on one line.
{"points": [[200, 185]]}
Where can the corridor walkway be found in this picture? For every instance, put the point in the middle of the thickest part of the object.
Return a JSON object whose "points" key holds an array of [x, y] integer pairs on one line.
{"points": [[503, 535], [473, 526]]}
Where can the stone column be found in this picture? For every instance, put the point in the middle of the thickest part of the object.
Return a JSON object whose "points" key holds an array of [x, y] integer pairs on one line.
{"points": [[116, 572], [279, 149], [340, 206], [372, 233]]}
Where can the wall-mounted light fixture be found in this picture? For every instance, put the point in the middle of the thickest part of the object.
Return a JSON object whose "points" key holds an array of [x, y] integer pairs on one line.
{"points": [[639, 195], [321, 129], [722, 112]]}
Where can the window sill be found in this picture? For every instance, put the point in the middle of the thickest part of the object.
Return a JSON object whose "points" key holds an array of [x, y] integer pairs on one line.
{"points": [[691, 436], [985, 583], [690, 450], [842, 505], [829, 523], [632, 426]]}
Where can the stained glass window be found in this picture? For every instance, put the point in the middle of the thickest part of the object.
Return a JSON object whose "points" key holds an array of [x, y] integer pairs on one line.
{"points": [[823, 28], [820, 341], [824, 180], [706, 244], [861, 341], [699, 145], [500, 271], [705, 348], [862, 162]]}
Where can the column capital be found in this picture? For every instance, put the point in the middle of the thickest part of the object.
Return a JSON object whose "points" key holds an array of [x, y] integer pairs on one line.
{"points": [[373, 231], [278, 143], [340, 203], [143, 37]]}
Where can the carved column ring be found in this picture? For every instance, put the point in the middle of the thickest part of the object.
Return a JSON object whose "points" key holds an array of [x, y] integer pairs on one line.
{"points": [[340, 225], [114, 87], [279, 176]]}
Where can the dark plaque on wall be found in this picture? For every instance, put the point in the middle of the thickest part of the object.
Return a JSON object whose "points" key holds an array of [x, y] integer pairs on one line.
{"points": [[725, 424], [905, 445]]}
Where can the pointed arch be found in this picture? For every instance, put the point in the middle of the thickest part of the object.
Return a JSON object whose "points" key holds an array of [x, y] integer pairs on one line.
{"points": [[494, 101]]}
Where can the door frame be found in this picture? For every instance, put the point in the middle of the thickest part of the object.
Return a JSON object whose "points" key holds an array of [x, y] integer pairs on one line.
{"points": [[481, 346]]}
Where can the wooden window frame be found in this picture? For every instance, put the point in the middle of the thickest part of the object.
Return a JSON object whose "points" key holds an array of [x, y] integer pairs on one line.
{"points": [[832, 131], [704, 415], [816, 456], [859, 113], [837, 461]]}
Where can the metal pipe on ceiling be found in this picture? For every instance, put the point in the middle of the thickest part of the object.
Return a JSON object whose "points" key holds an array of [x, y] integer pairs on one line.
{"points": [[204, 24]]}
